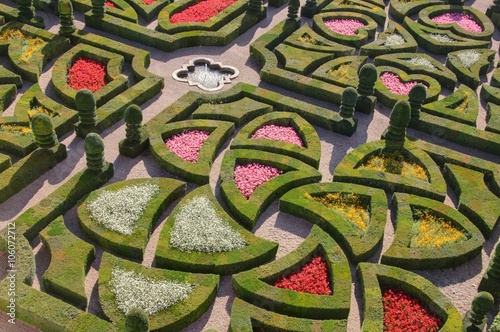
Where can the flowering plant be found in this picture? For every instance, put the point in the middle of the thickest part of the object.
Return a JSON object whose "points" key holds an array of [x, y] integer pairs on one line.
{"points": [[311, 278], [187, 145], [403, 312], [201, 11], [250, 176], [87, 74], [431, 231], [279, 133], [394, 84], [346, 27], [465, 21]]}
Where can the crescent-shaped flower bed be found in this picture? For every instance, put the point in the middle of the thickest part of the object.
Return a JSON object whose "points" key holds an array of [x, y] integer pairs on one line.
{"points": [[440, 41], [307, 147], [394, 84], [247, 210], [346, 28], [70, 259], [199, 236], [375, 278], [463, 21], [258, 286], [421, 64], [171, 299], [350, 170], [358, 227], [341, 71], [394, 39], [169, 144], [116, 82], [430, 235], [469, 65], [121, 216], [246, 317]]}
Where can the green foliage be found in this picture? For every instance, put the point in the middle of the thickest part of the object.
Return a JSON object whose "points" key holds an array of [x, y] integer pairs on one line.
{"points": [[136, 320]]}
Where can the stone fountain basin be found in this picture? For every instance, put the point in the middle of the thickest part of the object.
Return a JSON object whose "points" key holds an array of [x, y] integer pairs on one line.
{"points": [[216, 71]]}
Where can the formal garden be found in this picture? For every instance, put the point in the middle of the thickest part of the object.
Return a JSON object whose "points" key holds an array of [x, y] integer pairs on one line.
{"points": [[249, 165]]}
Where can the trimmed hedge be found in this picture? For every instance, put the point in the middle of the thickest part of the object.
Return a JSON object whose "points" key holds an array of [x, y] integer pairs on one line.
{"points": [[133, 245], [247, 211], [362, 35], [440, 73], [389, 99], [357, 247], [8, 77], [493, 118], [400, 9], [429, 258], [174, 318], [378, 47], [70, 259], [483, 210], [434, 187], [310, 153], [198, 172], [257, 251], [470, 76], [246, 318], [299, 60], [373, 276], [342, 71], [50, 314], [256, 285], [422, 36], [5, 162], [24, 260], [375, 11], [461, 106], [148, 11], [8, 94], [23, 172]]}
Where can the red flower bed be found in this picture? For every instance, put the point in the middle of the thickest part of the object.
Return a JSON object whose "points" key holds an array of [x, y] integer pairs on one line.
{"points": [[394, 84], [201, 11], [465, 21], [278, 133], [87, 74], [109, 4], [250, 176], [403, 312], [311, 278], [188, 144], [346, 27], [148, 2]]}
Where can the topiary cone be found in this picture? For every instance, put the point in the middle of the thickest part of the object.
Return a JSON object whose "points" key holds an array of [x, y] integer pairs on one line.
{"points": [[94, 150]]}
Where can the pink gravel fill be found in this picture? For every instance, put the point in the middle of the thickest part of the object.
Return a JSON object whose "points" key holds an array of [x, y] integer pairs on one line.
{"points": [[347, 27], [279, 133], [250, 176], [188, 144], [394, 84], [463, 20]]}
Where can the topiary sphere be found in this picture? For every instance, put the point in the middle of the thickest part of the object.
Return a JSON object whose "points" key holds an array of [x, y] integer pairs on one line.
{"points": [[93, 144], [41, 124], [418, 92], [85, 100], [136, 320], [65, 7], [368, 73], [133, 114], [482, 303]]}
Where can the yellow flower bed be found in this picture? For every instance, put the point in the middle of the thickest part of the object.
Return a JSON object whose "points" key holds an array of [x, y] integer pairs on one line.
{"points": [[30, 45], [40, 109], [394, 163], [21, 130], [349, 206], [431, 231], [341, 71]]}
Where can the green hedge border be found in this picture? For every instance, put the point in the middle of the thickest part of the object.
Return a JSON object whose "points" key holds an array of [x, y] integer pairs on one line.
{"points": [[255, 286], [471, 76], [133, 245], [310, 153], [375, 11], [355, 62], [417, 258], [257, 251], [199, 172], [372, 276], [347, 171], [377, 47], [399, 10], [356, 248], [246, 212]]}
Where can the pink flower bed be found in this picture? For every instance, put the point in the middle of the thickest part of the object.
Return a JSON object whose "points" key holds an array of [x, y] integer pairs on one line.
{"points": [[347, 27], [201, 11], [188, 144], [109, 4], [250, 176], [148, 2], [279, 133], [463, 20], [394, 84]]}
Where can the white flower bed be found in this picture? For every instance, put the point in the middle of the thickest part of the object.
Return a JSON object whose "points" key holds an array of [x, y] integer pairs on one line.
{"points": [[119, 210], [468, 58], [441, 38], [419, 61], [197, 227], [394, 39], [133, 290]]}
